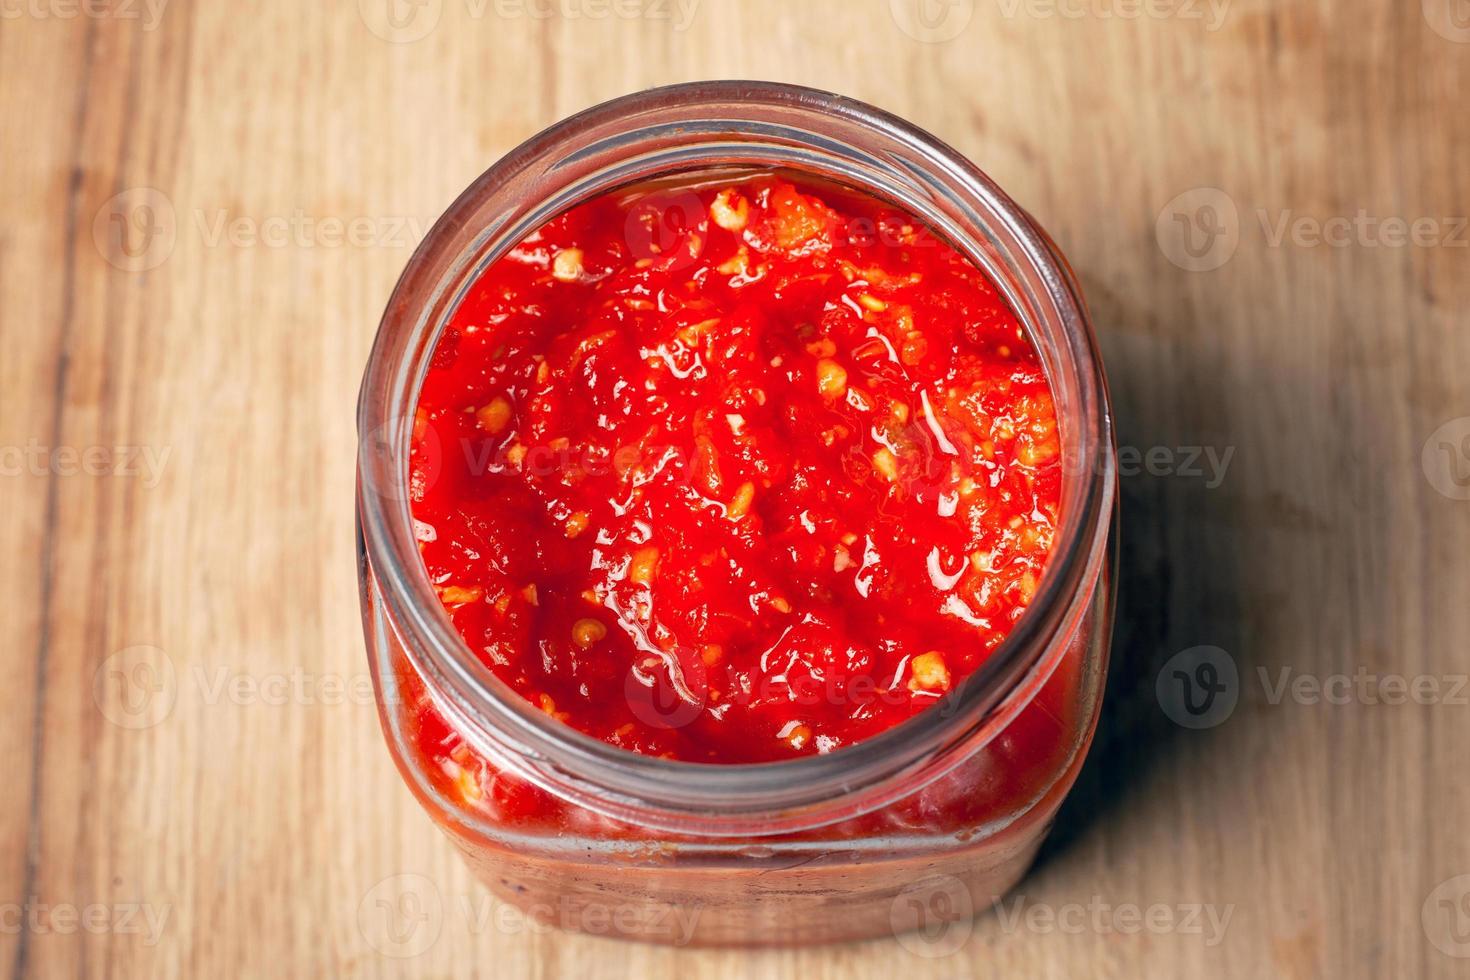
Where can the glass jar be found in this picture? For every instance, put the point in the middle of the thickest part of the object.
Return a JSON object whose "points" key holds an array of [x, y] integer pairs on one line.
{"points": [[935, 817]]}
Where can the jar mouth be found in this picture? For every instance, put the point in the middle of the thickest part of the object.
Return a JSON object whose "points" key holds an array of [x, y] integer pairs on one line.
{"points": [[707, 125]]}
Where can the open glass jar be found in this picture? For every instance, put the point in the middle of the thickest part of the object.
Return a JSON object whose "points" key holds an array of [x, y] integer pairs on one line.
{"points": [[936, 816]]}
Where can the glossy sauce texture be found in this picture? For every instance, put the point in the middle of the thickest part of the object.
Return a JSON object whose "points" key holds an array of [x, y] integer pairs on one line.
{"points": [[734, 472]]}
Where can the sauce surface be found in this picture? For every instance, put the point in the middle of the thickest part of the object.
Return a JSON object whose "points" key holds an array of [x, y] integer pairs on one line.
{"points": [[734, 472]]}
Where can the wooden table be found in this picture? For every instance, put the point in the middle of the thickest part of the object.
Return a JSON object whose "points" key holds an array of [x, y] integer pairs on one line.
{"points": [[177, 442]]}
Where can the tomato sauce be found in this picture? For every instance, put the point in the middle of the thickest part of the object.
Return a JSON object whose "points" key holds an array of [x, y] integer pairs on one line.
{"points": [[733, 471]]}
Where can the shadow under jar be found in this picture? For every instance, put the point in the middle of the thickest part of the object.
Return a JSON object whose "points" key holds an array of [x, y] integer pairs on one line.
{"points": [[920, 824]]}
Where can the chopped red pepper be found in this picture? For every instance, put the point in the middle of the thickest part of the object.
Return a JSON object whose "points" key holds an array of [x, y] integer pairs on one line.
{"points": [[735, 472]]}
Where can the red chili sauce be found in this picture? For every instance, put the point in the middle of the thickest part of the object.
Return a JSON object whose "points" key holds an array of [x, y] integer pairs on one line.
{"points": [[735, 471]]}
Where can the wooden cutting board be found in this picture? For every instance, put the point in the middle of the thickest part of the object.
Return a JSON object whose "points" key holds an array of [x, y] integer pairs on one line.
{"points": [[206, 205]]}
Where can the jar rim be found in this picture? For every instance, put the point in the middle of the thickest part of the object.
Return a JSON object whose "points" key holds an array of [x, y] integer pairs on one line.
{"points": [[604, 143]]}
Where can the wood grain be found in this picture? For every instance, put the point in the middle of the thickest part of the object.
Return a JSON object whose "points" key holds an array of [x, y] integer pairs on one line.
{"points": [[256, 825]]}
